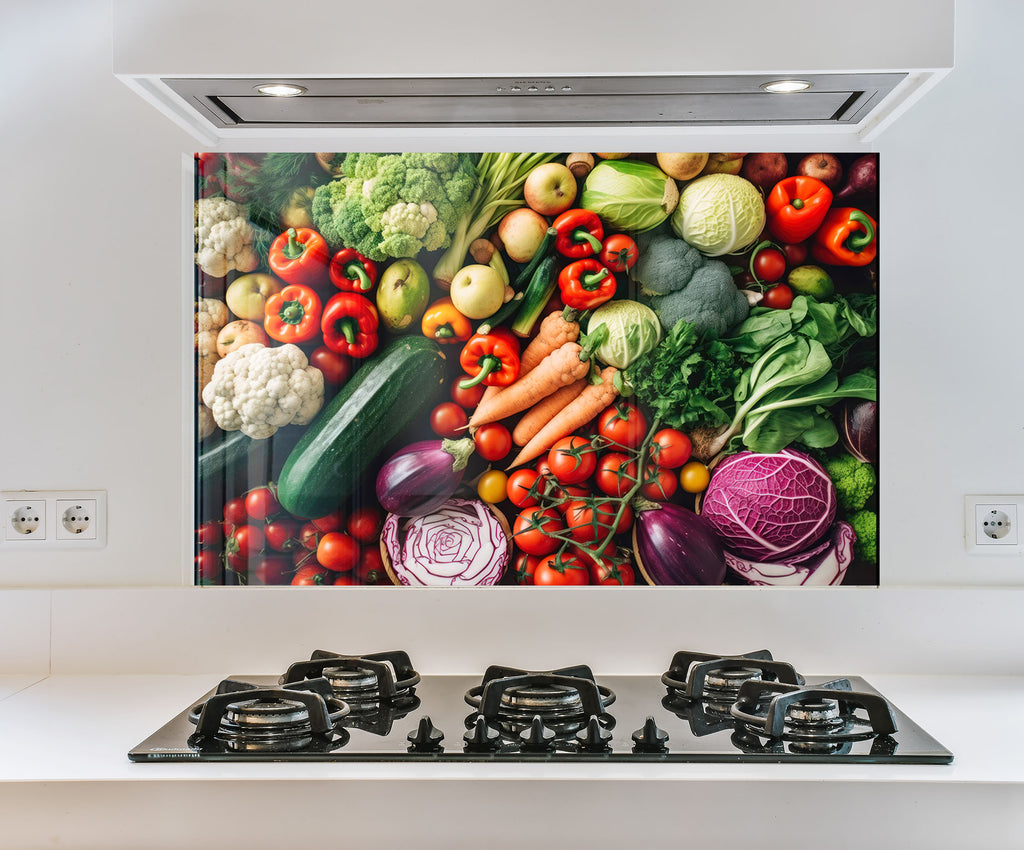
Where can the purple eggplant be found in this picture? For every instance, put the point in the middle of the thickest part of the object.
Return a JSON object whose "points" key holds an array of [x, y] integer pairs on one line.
{"points": [[861, 178], [423, 476], [673, 545], [858, 428]]}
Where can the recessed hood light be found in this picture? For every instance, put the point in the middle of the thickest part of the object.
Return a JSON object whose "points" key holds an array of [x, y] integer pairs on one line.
{"points": [[280, 89], [786, 86]]}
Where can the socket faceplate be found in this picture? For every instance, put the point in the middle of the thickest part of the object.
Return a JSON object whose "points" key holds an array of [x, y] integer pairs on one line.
{"points": [[53, 518], [991, 525]]}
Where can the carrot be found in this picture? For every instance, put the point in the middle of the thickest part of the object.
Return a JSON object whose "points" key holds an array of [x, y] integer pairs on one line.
{"points": [[576, 414], [562, 366], [537, 416]]}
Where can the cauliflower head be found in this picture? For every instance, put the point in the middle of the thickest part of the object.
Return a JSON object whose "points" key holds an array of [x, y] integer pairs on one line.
{"points": [[395, 205], [224, 238], [211, 314], [256, 390]]}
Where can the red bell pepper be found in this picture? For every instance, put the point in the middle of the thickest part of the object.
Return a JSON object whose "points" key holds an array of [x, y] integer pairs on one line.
{"points": [[578, 233], [293, 314], [350, 324], [350, 271], [491, 359], [847, 237], [300, 255], [586, 284], [796, 206]]}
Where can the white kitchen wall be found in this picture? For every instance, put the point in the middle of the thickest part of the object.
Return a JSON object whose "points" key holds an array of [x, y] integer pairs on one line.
{"points": [[90, 353]]}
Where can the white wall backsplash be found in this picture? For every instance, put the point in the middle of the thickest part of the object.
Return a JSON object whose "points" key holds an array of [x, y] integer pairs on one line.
{"points": [[92, 283]]}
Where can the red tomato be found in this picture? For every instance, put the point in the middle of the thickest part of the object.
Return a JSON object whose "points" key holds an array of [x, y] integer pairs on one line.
{"points": [[616, 474], [608, 573], [619, 252], [303, 558], [370, 568], [281, 534], [623, 424], [332, 522], [660, 484], [209, 534], [524, 566], [309, 536], [261, 503], [246, 541], [769, 265], [272, 569], [533, 529], [779, 297], [572, 460], [208, 567], [518, 488], [312, 574], [467, 399], [587, 523], [234, 511], [448, 420], [343, 579], [555, 570], [796, 254], [493, 441], [365, 523], [336, 367], [670, 448], [338, 552], [569, 494]]}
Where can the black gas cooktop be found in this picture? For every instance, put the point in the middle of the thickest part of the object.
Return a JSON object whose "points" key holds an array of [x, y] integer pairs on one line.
{"points": [[704, 708]]}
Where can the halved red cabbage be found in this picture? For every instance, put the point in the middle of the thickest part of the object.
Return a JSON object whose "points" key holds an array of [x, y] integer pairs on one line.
{"points": [[768, 507], [823, 565], [459, 544]]}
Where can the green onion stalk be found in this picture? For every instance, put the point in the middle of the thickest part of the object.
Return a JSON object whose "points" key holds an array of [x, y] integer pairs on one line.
{"points": [[498, 192]]}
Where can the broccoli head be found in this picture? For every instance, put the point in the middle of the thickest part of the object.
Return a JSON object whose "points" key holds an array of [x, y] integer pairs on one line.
{"points": [[395, 205], [865, 526], [855, 481], [678, 282]]}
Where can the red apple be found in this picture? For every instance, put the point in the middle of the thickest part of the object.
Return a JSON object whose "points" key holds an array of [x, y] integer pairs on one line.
{"points": [[521, 232], [825, 166], [550, 188], [764, 170], [238, 333]]}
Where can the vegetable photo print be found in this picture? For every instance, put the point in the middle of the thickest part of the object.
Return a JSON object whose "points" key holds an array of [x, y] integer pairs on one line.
{"points": [[557, 368]]}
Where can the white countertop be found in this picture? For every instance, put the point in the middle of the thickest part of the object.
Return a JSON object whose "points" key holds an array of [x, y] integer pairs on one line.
{"points": [[61, 748]]}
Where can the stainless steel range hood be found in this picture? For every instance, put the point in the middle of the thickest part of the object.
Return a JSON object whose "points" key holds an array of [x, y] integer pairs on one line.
{"points": [[546, 69]]}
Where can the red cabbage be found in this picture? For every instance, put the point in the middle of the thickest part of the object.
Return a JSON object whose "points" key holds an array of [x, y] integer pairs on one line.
{"points": [[824, 564], [768, 507], [460, 544]]}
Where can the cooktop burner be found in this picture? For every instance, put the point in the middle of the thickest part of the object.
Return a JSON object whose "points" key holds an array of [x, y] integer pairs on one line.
{"points": [[704, 708]]}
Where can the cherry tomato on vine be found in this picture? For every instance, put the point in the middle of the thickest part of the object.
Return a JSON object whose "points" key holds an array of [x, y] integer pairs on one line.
{"points": [[448, 420], [614, 574], [660, 484], [331, 522], [246, 541], [336, 367], [694, 477], [313, 574], [569, 493], [309, 536], [282, 534], [555, 570], [533, 530], [209, 534], [493, 441], [208, 566], [272, 569], [343, 579], [234, 511], [524, 566], [623, 424], [365, 523], [796, 254], [370, 569], [572, 460], [670, 448], [338, 552], [619, 252], [769, 265], [779, 297], [587, 523], [616, 474], [492, 486], [261, 503], [518, 487], [468, 398]]}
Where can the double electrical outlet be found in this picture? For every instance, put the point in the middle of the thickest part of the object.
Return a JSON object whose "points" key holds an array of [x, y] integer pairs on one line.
{"points": [[991, 525], [57, 519]]}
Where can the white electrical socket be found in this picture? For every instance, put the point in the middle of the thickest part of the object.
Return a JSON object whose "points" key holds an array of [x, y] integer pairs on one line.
{"points": [[54, 519], [991, 525]]}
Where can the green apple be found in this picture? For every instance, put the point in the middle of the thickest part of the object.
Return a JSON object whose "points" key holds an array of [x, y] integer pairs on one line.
{"points": [[247, 295], [477, 291], [402, 295]]}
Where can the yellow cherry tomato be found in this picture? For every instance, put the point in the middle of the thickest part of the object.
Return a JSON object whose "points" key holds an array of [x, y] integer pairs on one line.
{"points": [[694, 477], [491, 486]]}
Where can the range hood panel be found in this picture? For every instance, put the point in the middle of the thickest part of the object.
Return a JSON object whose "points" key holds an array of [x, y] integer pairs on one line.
{"points": [[483, 102]]}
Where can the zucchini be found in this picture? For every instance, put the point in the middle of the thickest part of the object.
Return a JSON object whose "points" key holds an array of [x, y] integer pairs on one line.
{"points": [[538, 293], [221, 454], [379, 400]]}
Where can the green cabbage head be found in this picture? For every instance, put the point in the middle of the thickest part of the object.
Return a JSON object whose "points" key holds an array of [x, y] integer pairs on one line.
{"points": [[629, 195], [719, 214], [633, 330]]}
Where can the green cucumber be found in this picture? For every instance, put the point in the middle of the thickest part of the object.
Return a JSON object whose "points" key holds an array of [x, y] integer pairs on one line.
{"points": [[339, 446], [221, 453], [538, 293]]}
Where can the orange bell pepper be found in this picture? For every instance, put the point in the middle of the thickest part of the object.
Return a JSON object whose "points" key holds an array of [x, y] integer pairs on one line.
{"points": [[293, 314], [445, 324], [847, 237]]}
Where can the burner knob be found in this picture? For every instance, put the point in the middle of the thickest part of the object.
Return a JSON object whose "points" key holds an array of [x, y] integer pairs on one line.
{"points": [[594, 738], [427, 737], [481, 738], [538, 737], [650, 739]]}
